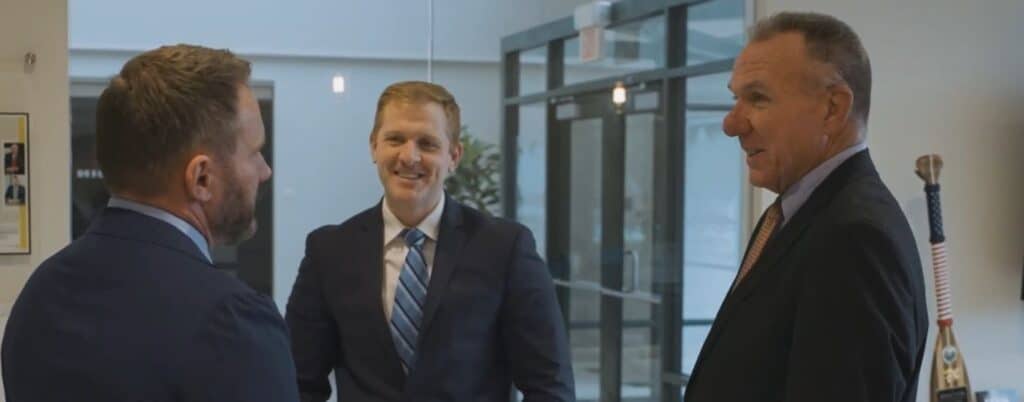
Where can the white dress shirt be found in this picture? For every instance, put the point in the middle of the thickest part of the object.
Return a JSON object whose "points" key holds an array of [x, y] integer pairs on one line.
{"points": [[395, 248]]}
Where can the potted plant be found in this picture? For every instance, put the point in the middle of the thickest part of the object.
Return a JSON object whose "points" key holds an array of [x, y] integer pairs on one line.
{"points": [[476, 179]]}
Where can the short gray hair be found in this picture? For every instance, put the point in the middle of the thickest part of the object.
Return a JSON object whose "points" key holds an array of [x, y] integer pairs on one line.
{"points": [[830, 41]]}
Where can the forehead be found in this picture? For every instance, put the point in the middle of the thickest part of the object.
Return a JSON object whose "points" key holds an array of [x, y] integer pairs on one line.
{"points": [[249, 115], [777, 58], [420, 113]]}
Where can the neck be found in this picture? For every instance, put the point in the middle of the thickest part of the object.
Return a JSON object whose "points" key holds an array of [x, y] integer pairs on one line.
{"points": [[840, 142], [411, 215], [189, 212], [833, 146]]}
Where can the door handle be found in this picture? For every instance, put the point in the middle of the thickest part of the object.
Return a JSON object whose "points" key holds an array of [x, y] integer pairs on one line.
{"points": [[635, 277]]}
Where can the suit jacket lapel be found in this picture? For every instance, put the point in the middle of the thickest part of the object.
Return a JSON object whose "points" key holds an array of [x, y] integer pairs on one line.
{"points": [[780, 243], [858, 164], [368, 256], [774, 250], [450, 240]]}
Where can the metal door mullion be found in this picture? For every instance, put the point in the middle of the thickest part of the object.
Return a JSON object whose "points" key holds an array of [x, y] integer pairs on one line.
{"points": [[557, 178], [510, 126], [669, 198], [613, 160]]}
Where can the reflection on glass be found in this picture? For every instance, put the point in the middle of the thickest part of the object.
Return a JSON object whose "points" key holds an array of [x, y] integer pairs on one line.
{"points": [[626, 48], [714, 31], [533, 70], [531, 171], [585, 255]]}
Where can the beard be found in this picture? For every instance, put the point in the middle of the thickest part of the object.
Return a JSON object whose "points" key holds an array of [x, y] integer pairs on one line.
{"points": [[234, 219]]}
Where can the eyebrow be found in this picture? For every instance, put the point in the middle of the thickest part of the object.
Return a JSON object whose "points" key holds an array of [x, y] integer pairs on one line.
{"points": [[748, 86]]}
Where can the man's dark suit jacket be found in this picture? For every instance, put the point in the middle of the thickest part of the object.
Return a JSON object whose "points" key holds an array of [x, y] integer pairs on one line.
{"points": [[833, 310], [132, 311], [491, 317]]}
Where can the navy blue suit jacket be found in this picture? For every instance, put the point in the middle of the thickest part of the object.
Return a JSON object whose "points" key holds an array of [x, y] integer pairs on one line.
{"points": [[132, 311], [490, 319], [833, 310]]}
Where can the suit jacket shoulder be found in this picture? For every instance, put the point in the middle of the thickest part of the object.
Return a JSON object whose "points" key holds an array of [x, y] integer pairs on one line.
{"points": [[131, 303], [350, 227], [857, 206]]}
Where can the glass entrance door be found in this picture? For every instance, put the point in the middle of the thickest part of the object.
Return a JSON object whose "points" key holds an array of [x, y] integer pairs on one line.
{"points": [[640, 208], [606, 279]]}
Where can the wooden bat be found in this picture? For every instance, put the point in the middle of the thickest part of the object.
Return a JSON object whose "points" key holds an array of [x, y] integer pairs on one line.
{"points": [[949, 375]]}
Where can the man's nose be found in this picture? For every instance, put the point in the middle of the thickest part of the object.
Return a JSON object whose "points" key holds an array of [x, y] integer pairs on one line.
{"points": [[735, 124], [267, 171], [409, 153]]}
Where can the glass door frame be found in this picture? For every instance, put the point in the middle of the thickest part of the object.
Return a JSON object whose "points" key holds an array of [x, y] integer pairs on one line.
{"points": [[613, 289], [669, 157]]}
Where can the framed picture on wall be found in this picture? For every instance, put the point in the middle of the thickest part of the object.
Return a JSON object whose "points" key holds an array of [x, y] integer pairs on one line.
{"points": [[15, 228]]}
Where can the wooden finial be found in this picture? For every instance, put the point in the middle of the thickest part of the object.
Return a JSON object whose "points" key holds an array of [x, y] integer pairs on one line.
{"points": [[928, 168]]}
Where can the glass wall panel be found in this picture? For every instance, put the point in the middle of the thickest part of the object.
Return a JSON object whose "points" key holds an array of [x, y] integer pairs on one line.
{"points": [[531, 186], [714, 31], [626, 48], [533, 66]]}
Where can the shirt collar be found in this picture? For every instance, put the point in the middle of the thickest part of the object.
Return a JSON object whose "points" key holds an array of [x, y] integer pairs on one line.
{"points": [[797, 194], [430, 225], [171, 219]]}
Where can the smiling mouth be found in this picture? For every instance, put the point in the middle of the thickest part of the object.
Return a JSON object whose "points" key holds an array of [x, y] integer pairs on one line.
{"points": [[754, 152], [408, 175]]}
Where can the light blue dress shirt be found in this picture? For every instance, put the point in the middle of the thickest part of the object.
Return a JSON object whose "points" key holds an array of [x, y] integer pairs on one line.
{"points": [[797, 194]]}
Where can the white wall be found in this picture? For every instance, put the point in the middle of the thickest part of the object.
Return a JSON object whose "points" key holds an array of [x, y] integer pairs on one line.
{"points": [[39, 26], [949, 79], [465, 29]]}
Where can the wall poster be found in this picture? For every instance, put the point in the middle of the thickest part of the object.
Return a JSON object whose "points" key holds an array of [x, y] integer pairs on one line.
{"points": [[15, 228]]}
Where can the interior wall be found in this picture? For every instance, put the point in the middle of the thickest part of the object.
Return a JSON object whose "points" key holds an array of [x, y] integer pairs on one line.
{"points": [[41, 27]]}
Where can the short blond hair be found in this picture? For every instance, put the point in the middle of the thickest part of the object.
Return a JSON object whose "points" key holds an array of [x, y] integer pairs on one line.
{"points": [[418, 93]]}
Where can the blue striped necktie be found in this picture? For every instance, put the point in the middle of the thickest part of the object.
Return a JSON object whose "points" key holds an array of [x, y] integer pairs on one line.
{"points": [[410, 293]]}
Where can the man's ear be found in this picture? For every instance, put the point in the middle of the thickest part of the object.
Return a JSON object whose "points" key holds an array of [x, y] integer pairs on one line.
{"points": [[199, 178], [373, 146], [840, 106], [456, 154]]}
